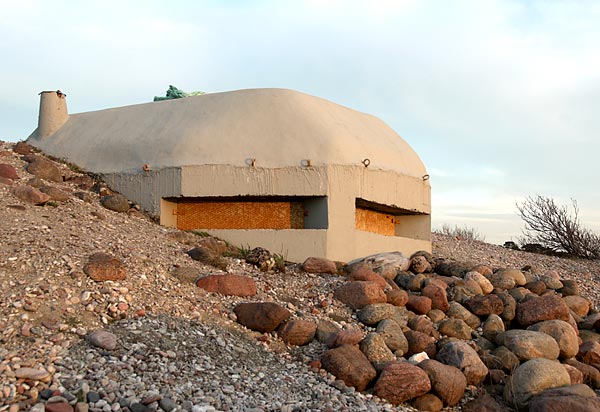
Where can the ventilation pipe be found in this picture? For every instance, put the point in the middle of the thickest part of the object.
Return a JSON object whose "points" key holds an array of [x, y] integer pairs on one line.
{"points": [[53, 113]]}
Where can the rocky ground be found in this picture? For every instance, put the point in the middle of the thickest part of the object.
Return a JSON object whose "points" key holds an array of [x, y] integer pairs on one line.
{"points": [[176, 346]]}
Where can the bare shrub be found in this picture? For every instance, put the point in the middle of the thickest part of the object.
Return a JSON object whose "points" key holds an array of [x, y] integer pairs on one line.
{"points": [[555, 227], [464, 232]]}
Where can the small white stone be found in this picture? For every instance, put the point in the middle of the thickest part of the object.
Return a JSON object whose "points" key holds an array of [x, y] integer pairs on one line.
{"points": [[418, 358]]}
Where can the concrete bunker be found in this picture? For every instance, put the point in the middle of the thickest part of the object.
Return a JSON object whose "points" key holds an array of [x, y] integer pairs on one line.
{"points": [[276, 168]]}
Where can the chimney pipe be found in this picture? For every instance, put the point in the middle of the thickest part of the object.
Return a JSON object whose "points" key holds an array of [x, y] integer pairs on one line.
{"points": [[53, 112]]}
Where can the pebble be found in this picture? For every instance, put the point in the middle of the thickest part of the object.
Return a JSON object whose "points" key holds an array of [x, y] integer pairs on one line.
{"points": [[167, 404], [93, 397], [31, 373]]}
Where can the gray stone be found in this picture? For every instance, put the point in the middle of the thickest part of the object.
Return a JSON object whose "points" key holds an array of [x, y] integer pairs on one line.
{"points": [[533, 377], [492, 327], [458, 311], [325, 329], [116, 202], [386, 264], [528, 344], [103, 339], [374, 313], [393, 336], [464, 357], [167, 404], [376, 351], [563, 333], [456, 328]]}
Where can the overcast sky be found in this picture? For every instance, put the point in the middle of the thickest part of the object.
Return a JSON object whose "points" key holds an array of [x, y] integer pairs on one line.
{"points": [[501, 99]]}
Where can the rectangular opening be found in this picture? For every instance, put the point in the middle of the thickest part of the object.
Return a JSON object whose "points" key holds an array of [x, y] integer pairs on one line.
{"points": [[250, 212], [391, 220]]}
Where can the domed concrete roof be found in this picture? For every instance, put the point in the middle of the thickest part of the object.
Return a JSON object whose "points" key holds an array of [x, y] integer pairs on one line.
{"points": [[277, 127]]}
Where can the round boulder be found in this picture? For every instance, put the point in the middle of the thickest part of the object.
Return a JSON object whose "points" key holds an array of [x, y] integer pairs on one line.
{"points": [[401, 381], [359, 294], [464, 357], [447, 381], [533, 377], [529, 344], [297, 332], [116, 202], [376, 351], [349, 364], [261, 316], [563, 333]]}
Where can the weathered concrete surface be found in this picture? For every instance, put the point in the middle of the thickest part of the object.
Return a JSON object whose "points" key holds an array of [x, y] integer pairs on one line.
{"points": [[262, 143]]}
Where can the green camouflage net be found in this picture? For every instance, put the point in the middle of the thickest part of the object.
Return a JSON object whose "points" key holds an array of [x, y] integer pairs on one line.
{"points": [[175, 93]]}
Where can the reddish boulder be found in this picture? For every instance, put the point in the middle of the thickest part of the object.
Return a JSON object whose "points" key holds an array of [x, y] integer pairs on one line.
{"points": [[362, 272], [419, 264], [6, 181], [578, 304], [8, 171], [23, 148], [428, 402], [345, 337], [591, 375], [401, 381], [537, 286], [58, 407], [447, 381], [228, 284], [484, 305], [397, 297], [349, 364], [45, 169], [30, 195], [297, 332], [537, 309], [263, 317], [359, 294], [510, 305], [422, 323], [102, 267], [575, 374], [319, 265], [589, 353], [419, 342], [437, 294], [55, 193], [419, 304]]}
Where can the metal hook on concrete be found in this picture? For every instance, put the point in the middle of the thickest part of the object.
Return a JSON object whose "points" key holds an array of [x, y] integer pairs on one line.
{"points": [[425, 178], [146, 167], [366, 162], [251, 161], [305, 163]]}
